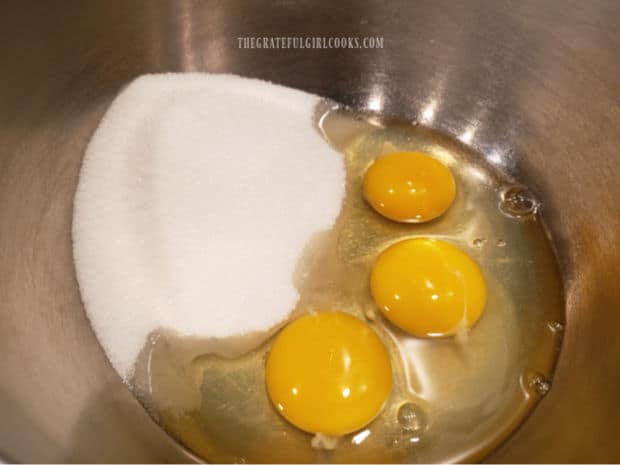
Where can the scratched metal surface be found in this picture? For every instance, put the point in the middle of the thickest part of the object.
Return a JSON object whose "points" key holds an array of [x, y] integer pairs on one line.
{"points": [[532, 85]]}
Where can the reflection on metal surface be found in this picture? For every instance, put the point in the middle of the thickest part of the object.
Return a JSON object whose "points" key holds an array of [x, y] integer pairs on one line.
{"points": [[187, 37], [375, 102], [468, 135], [546, 72], [428, 113], [496, 157]]}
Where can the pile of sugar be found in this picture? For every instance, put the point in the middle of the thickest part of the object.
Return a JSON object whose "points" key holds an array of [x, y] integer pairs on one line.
{"points": [[196, 197]]}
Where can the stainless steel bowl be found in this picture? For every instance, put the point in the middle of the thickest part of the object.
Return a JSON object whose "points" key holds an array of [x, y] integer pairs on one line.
{"points": [[533, 85]]}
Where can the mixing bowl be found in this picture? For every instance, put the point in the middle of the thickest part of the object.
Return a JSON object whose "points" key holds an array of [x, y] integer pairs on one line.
{"points": [[533, 86]]}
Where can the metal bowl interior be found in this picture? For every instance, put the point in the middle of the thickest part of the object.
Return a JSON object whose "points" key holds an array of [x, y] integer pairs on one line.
{"points": [[533, 86]]}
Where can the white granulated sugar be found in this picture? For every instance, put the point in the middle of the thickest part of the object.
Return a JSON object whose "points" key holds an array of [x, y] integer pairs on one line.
{"points": [[197, 195]]}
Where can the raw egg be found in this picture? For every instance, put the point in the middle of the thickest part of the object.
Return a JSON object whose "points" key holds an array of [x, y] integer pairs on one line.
{"points": [[328, 373], [428, 287], [409, 187]]}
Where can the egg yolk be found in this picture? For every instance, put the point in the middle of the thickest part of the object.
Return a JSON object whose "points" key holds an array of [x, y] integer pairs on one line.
{"points": [[428, 287], [328, 373], [409, 187]]}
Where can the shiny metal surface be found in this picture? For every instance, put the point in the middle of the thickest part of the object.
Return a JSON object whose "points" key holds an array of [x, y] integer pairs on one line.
{"points": [[533, 85]]}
